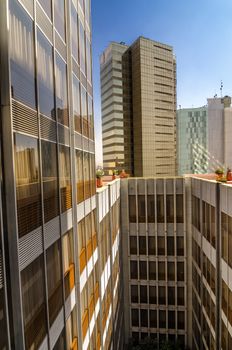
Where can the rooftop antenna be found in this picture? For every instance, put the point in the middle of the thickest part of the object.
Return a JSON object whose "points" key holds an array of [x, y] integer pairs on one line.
{"points": [[221, 87]]}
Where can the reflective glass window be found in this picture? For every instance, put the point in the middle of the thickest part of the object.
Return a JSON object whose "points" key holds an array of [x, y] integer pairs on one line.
{"points": [[22, 55], [79, 176], [61, 91], [45, 76], [27, 184], [59, 17], [76, 105], [74, 32], [50, 180], [82, 46], [33, 303], [68, 262], [65, 178], [47, 6], [88, 61], [54, 280], [84, 112]]}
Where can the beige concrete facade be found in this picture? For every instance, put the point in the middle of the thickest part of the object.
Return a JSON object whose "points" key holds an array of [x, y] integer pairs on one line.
{"points": [[139, 118], [154, 108]]}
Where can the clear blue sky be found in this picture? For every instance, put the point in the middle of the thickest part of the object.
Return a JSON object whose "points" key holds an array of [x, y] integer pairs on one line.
{"points": [[200, 32]]}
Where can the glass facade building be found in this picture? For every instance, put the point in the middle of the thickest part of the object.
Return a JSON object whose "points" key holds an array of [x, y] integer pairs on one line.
{"points": [[49, 198]]}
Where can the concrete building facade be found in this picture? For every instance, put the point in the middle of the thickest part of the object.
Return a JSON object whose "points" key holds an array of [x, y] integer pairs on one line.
{"points": [[148, 102], [155, 251]]}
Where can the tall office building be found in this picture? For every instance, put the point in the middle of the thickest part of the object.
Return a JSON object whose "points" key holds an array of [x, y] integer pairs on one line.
{"points": [[51, 283], [112, 107], [146, 70], [204, 137], [192, 140]]}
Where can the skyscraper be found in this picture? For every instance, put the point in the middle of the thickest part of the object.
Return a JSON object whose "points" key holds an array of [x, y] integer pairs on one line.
{"points": [[147, 73]]}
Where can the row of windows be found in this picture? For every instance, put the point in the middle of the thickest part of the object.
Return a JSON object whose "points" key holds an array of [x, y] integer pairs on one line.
{"points": [[33, 289], [158, 319], [170, 246], [226, 238], [144, 270], [52, 93], [160, 295], [152, 209], [28, 178]]}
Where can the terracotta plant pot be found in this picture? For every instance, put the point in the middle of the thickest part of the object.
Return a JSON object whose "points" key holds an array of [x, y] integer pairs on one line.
{"points": [[219, 177], [114, 177], [99, 182], [229, 175]]}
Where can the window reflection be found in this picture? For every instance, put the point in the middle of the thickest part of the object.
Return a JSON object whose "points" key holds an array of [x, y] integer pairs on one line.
{"points": [[27, 184], [84, 112], [59, 17], [45, 76], [88, 61], [82, 47], [68, 265], [61, 91], [90, 118], [47, 6], [76, 105], [22, 56], [65, 179], [50, 182], [80, 178], [54, 281], [87, 175], [74, 33], [33, 301]]}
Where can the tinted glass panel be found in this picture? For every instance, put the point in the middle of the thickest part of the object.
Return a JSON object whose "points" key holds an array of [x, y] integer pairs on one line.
{"points": [[27, 184], [74, 31], [82, 47], [59, 17], [33, 301], [65, 179], [45, 76], [47, 6], [50, 182], [22, 62], [80, 177], [61, 91], [54, 281], [76, 105]]}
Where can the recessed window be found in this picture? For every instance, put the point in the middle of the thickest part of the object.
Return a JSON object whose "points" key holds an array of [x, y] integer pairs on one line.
{"points": [[134, 294], [133, 245], [143, 270], [142, 245]]}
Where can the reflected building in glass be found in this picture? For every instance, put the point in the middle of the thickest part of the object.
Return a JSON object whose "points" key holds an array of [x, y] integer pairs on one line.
{"points": [[49, 238]]}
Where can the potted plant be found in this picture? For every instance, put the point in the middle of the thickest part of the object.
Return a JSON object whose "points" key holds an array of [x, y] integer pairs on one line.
{"points": [[219, 172], [229, 175], [115, 173], [99, 174], [123, 174]]}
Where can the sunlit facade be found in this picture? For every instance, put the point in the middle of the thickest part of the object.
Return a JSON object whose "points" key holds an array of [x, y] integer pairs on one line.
{"points": [[49, 191]]}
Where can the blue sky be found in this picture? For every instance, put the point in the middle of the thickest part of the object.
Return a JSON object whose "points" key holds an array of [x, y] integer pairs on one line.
{"points": [[200, 32]]}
